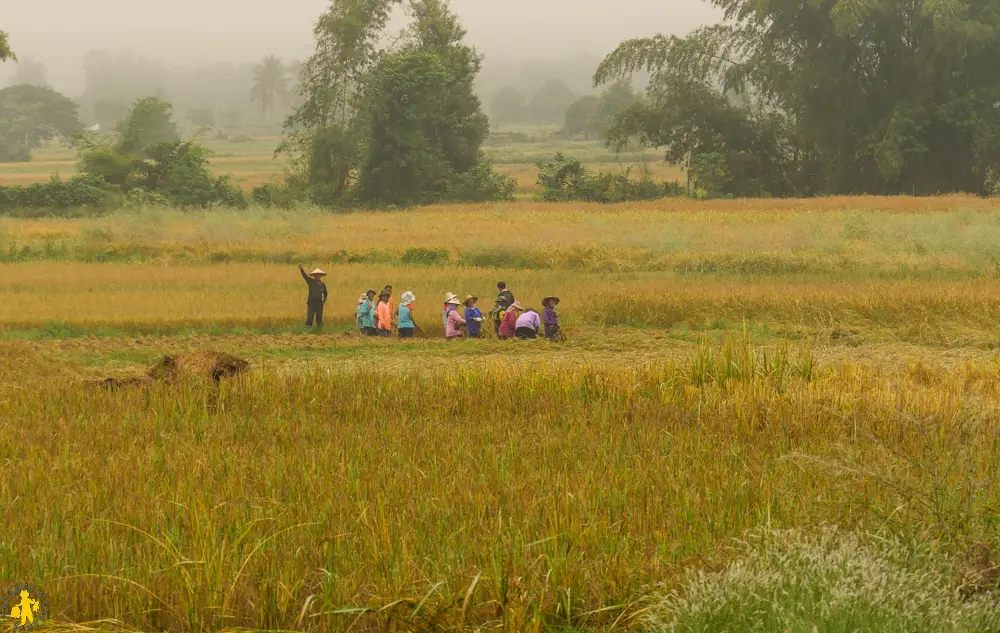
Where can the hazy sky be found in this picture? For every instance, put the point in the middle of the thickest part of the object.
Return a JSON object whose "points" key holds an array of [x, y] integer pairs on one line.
{"points": [[60, 32]]}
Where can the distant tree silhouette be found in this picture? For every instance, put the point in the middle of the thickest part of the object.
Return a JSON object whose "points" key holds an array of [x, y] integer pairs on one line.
{"points": [[270, 85]]}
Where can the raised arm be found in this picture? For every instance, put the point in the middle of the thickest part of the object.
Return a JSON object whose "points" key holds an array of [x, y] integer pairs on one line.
{"points": [[302, 271]]}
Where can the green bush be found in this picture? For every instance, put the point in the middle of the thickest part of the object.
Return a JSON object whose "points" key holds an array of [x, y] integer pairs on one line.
{"points": [[565, 180], [426, 256], [82, 194], [482, 184]]}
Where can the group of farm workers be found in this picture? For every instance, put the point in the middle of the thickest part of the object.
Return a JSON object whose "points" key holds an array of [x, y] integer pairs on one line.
{"points": [[376, 315]]}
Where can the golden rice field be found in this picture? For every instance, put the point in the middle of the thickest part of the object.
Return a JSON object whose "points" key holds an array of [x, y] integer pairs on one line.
{"points": [[731, 367]]}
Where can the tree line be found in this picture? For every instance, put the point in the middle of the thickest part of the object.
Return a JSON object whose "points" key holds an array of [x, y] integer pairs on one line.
{"points": [[779, 99], [786, 98]]}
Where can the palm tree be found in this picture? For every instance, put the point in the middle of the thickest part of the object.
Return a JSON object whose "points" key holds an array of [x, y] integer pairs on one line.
{"points": [[270, 79]]}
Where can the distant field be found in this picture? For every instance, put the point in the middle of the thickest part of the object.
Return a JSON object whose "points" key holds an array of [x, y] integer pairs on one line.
{"points": [[253, 163]]}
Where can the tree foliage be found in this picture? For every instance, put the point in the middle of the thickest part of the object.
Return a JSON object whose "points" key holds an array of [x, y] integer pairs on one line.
{"points": [[148, 122], [146, 158], [31, 116], [403, 120], [593, 116], [834, 96], [5, 52]]}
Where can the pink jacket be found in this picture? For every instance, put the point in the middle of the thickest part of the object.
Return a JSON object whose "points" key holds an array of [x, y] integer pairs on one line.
{"points": [[454, 321]]}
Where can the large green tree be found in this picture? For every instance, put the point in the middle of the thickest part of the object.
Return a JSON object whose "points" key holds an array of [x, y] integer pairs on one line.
{"points": [[31, 116], [148, 122], [406, 121], [270, 85], [836, 96]]}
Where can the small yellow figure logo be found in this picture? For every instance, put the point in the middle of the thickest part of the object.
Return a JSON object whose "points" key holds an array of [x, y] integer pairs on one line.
{"points": [[26, 609], [26, 606]]}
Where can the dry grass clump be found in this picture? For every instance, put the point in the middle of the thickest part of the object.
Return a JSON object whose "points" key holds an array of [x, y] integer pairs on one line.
{"points": [[206, 364], [829, 581]]}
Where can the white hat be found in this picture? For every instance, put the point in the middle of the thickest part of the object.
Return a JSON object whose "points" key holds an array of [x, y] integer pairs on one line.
{"points": [[319, 272], [453, 301], [408, 297], [449, 296]]}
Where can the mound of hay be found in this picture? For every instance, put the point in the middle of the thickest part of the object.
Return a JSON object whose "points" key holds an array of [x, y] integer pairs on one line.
{"points": [[211, 365]]}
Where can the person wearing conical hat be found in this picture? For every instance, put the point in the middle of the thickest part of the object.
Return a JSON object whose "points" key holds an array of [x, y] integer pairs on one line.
{"points": [[509, 323], [550, 319], [473, 316], [453, 321], [317, 296], [445, 309]]}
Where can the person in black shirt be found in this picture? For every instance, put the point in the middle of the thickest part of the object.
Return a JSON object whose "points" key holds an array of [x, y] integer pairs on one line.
{"points": [[317, 296], [505, 298]]}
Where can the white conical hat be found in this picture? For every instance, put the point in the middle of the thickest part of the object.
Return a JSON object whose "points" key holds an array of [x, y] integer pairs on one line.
{"points": [[318, 271]]}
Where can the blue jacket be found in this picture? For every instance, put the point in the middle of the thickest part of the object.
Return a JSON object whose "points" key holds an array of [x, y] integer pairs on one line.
{"points": [[367, 314], [473, 326], [405, 318]]}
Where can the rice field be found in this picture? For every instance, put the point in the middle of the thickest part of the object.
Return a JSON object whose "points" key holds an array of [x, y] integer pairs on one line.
{"points": [[755, 398]]}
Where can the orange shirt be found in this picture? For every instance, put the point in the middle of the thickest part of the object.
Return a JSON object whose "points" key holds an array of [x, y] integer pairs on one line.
{"points": [[384, 313]]}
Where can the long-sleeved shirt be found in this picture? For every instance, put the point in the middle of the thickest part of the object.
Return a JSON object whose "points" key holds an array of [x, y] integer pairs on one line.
{"points": [[508, 324], [367, 314], [444, 316], [529, 319], [471, 314], [504, 299], [406, 317], [551, 321], [384, 313], [453, 325], [317, 289]]}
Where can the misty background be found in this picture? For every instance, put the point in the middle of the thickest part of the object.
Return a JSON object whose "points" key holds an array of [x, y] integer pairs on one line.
{"points": [[201, 53]]}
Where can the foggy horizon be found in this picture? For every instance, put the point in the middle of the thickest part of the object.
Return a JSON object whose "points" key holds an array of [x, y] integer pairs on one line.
{"points": [[190, 33]]}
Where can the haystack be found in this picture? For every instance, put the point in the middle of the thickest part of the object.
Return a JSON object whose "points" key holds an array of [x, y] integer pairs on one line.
{"points": [[211, 365]]}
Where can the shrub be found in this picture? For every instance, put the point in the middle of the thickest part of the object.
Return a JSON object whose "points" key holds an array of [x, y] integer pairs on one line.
{"points": [[81, 193], [482, 184], [564, 180], [426, 256]]}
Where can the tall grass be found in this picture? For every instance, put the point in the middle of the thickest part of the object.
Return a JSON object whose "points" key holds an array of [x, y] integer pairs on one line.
{"points": [[510, 496], [825, 581]]}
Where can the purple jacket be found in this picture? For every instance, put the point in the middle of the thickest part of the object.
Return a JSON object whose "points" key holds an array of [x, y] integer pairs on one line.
{"points": [[529, 319], [551, 321]]}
